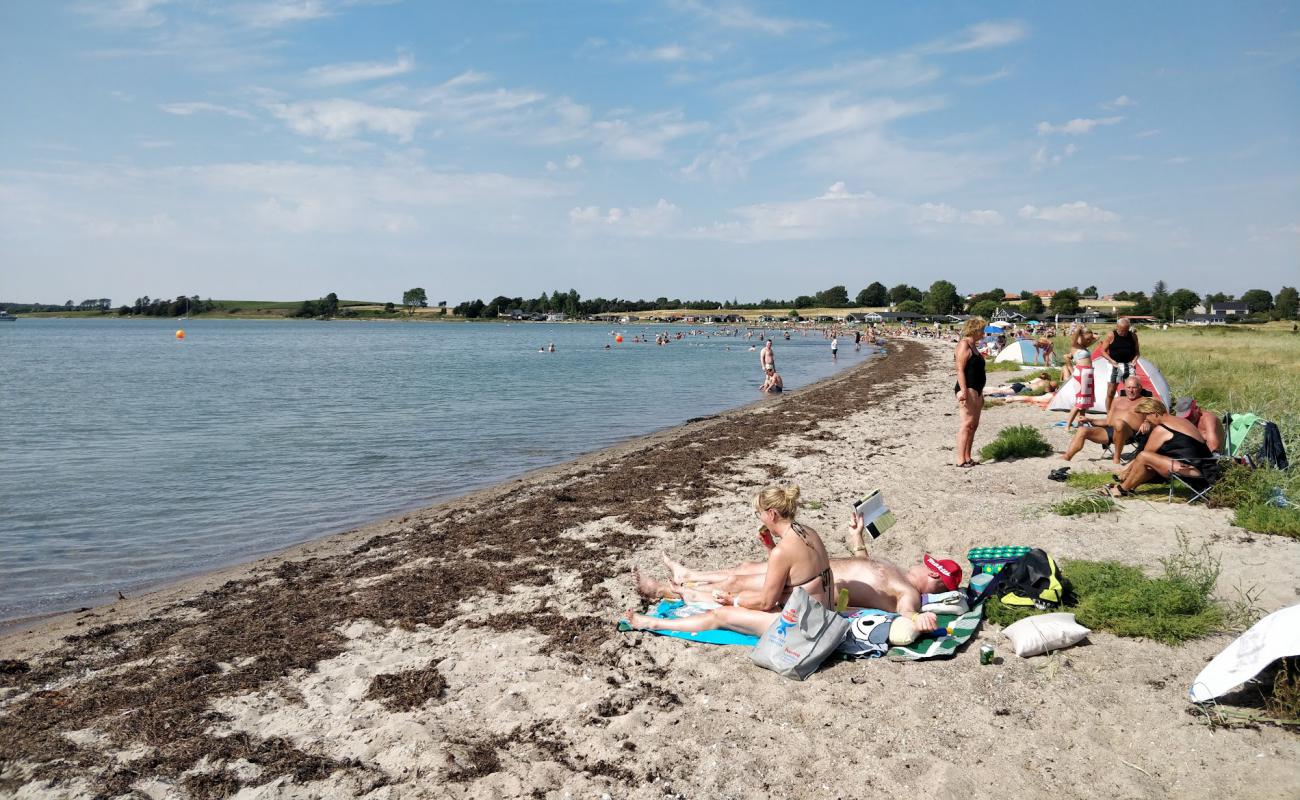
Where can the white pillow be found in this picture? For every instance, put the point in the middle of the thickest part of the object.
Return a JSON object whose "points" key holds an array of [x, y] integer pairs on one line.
{"points": [[1041, 633]]}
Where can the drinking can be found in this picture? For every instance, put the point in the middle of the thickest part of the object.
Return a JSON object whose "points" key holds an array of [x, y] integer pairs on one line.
{"points": [[986, 654]]}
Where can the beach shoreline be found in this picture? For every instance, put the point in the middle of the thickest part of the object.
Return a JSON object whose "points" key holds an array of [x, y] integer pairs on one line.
{"points": [[468, 650]]}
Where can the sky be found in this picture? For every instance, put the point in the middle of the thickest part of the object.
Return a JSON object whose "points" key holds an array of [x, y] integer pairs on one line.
{"points": [[728, 149]]}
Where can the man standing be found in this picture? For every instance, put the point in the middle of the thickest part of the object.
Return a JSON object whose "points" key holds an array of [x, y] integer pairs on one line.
{"points": [[1121, 349], [766, 359]]}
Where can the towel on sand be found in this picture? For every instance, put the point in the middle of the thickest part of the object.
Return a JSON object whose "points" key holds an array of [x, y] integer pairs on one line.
{"points": [[964, 627]]}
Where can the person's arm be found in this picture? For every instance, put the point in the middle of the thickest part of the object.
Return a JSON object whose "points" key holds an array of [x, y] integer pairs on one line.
{"points": [[909, 605], [963, 355], [774, 582], [1137, 348], [1105, 347], [856, 543]]}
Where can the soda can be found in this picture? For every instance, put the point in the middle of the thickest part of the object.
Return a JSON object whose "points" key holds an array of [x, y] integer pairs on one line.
{"points": [[986, 654]]}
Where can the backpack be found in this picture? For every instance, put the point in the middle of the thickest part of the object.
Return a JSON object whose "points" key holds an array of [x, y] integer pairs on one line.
{"points": [[1031, 581]]}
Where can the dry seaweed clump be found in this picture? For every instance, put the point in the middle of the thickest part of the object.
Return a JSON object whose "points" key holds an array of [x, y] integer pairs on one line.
{"points": [[403, 691], [148, 686]]}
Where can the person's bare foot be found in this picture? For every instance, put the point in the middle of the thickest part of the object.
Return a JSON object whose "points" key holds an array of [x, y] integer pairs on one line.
{"points": [[676, 571], [636, 621]]}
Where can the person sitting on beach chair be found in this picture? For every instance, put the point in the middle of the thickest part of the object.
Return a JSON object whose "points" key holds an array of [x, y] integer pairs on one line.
{"points": [[1123, 423], [1174, 447], [796, 557], [870, 583], [1208, 423]]}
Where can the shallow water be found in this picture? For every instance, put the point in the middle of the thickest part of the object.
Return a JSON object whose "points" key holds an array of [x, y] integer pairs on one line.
{"points": [[128, 458]]}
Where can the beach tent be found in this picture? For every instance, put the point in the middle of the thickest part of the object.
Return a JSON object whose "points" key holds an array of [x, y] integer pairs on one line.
{"points": [[1022, 351], [1273, 637], [1147, 373]]}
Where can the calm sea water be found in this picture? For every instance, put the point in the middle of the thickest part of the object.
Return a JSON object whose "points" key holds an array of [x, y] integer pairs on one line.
{"points": [[128, 458]]}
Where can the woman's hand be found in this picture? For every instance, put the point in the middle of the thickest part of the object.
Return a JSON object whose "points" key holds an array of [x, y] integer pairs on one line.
{"points": [[961, 397]]}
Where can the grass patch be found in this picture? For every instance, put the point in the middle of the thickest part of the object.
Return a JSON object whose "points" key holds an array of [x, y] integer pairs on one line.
{"points": [[1018, 441], [1092, 481], [1252, 494], [1173, 608], [1086, 503]]}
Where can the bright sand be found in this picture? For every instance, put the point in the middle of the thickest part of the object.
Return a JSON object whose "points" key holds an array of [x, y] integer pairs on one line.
{"points": [[266, 685]]}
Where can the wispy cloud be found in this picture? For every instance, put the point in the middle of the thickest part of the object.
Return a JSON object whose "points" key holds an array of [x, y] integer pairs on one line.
{"points": [[1123, 101], [740, 16], [123, 13], [981, 36], [1043, 157], [279, 13], [980, 80], [650, 221], [340, 119], [903, 71], [669, 53], [1078, 211], [200, 107], [359, 71], [1076, 127], [1147, 133]]}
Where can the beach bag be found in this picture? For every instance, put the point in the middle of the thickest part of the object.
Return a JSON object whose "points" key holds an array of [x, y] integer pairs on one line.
{"points": [[1032, 581], [801, 638]]}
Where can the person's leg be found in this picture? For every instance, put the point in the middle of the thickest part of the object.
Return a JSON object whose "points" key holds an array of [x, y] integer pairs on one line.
{"points": [[977, 408], [965, 433], [741, 620], [1122, 433], [652, 589], [1146, 468], [683, 574], [1097, 435], [1116, 375]]}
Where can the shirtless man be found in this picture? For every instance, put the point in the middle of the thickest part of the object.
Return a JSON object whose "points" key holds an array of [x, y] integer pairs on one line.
{"points": [[871, 583], [1208, 423], [1122, 423], [766, 358], [773, 384]]}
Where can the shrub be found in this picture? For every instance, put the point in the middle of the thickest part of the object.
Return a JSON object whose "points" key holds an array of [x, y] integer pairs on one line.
{"points": [[1018, 441], [1087, 503]]}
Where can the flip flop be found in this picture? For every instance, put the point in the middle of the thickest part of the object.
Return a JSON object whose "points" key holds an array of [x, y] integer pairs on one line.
{"points": [[624, 626]]}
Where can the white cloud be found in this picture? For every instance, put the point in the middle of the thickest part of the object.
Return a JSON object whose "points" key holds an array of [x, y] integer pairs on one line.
{"points": [[1076, 127], [650, 221], [359, 71], [669, 53], [642, 138], [944, 214], [1123, 101], [123, 13], [573, 162], [1075, 212], [981, 36], [345, 119], [878, 73], [1146, 134], [980, 80], [738, 15], [189, 109], [278, 13], [837, 213]]}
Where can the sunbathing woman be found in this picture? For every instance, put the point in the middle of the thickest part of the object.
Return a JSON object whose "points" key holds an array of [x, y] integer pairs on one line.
{"points": [[1174, 446], [796, 557]]}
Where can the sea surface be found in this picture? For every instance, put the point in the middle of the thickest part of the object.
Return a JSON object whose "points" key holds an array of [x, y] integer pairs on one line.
{"points": [[129, 458]]}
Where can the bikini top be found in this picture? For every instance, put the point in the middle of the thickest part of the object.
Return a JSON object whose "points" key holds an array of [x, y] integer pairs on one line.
{"points": [[825, 574], [1081, 355]]}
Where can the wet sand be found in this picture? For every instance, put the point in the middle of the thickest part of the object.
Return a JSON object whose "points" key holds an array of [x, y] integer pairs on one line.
{"points": [[468, 650]]}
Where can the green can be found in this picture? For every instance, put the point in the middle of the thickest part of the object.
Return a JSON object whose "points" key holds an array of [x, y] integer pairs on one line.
{"points": [[986, 654]]}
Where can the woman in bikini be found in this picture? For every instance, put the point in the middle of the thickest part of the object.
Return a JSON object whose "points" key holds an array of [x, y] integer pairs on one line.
{"points": [[1081, 357], [1174, 446], [796, 557]]}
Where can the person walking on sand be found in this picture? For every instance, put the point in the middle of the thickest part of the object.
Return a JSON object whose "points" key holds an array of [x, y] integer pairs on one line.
{"points": [[766, 358], [969, 388], [1120, 348]]}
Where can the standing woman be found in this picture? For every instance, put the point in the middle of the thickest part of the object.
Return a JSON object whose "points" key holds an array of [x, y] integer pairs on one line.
{"points": [[969, 388], [1081, 357]]}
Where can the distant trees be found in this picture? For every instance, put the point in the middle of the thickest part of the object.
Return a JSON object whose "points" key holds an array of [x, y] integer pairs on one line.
{"points": [[942, 298], [984, 308], [1032, 305], [1181, 301], [834, 297], [1258, 300], [874, 295], [327, 306], [1066, 301], [413, 299], [1090, 293], [902, 292], [911, 307], [1286, 304]]}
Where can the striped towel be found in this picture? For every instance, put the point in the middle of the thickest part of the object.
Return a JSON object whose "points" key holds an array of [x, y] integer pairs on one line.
{"points": [[964, 628]]}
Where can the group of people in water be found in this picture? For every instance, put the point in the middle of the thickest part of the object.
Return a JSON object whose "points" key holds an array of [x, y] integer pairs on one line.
{"points": [[751, 594]]}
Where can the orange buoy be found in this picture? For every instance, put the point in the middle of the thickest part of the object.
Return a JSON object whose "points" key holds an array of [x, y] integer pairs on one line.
{"points": [[180, 334], [619, 338]]}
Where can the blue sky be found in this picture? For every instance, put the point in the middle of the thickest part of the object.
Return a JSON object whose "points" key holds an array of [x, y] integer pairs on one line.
{"points": [[685, 148]]}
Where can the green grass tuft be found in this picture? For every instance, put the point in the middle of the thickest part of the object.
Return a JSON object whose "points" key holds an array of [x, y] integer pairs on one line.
{"points": [[1118, 598], [1086, 503], [1018, 441], [1250, 493]]}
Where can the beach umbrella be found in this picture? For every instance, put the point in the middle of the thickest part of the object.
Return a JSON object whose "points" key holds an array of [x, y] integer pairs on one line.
{"points": [[993, 329]]}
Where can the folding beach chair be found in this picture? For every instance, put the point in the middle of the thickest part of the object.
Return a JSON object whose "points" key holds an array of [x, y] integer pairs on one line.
{"points": [[1211, 470], [1236, 427]]}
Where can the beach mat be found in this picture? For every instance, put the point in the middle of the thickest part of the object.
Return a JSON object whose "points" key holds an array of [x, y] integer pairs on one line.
{"points": [[964, 628]]}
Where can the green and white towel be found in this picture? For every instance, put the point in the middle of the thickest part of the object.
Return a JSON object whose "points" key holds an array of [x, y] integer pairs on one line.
{"points": [[963, 628]]}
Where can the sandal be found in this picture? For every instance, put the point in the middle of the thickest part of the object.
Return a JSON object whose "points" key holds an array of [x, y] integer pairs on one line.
{"points": [[1059, 474], [1114, 490], [968, 464]]}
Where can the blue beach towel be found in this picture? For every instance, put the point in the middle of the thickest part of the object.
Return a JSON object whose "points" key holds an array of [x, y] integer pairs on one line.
{"points": [[676, 609]]}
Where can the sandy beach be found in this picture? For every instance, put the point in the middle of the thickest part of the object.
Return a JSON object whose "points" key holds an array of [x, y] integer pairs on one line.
{"points": [[469, 651]]}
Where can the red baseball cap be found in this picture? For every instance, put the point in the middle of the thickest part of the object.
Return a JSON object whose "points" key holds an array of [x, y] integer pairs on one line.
{"points": [[949, 571]]}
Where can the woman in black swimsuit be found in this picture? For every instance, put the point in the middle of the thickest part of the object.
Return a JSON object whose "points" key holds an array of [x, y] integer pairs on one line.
{"points": [[796, 557], [1173, 446], [969, 388]]}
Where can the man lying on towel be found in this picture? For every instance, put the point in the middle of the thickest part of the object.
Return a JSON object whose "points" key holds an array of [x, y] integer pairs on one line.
{"points": [[871, 583]]}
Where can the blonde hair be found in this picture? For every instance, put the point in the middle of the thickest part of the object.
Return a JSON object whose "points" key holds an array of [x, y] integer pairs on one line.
{"points": [[784, 500], [973, 326], [1079, 337], [1150, 405]]}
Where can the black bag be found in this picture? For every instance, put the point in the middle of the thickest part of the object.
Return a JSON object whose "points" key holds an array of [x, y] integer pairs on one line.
{"points": [[1032, 580]]}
